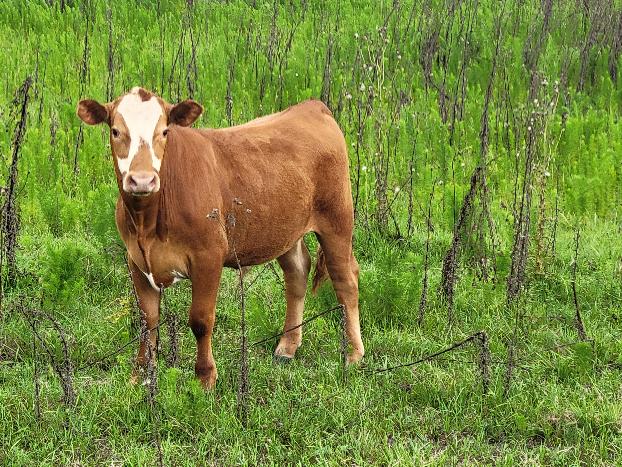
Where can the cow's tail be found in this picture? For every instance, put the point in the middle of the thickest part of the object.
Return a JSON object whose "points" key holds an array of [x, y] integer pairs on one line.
{"points": [[321, 273]]}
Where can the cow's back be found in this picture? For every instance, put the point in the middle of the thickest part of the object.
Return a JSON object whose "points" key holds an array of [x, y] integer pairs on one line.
{"points": [[287, 170]]}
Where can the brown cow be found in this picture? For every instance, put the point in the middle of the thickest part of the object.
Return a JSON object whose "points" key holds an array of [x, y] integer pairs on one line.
{"points": [[191, 200]]}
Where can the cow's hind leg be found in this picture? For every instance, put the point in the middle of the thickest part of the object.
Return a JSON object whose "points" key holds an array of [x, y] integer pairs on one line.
{"points": [[296, 264], [343, 270]]}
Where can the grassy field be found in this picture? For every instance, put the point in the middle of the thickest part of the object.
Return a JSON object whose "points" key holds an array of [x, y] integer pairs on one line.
{"points": [[492, 126]]}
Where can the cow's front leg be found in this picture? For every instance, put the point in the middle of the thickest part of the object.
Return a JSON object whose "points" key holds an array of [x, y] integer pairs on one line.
{"points": [[149, 303], [205, 283]]}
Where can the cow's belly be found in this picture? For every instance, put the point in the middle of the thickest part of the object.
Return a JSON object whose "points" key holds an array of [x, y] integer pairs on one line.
{"points": [[268, 230], [273, 207], [263, 245]]}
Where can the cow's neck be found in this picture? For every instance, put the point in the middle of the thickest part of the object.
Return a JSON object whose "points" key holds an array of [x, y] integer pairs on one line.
{"points": [[143, 218], [143, 212]]}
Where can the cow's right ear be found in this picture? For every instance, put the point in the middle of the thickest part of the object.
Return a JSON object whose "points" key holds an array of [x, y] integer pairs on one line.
{"points": [[92, 112]]}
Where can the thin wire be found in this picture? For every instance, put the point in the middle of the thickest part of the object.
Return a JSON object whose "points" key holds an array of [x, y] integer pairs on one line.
{"points": [[134, 339], [429, 357], [116, 351], [338, 307]]}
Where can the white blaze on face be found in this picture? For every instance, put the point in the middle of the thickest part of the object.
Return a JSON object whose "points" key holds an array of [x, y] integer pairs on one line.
{"points": [[141, 118]]}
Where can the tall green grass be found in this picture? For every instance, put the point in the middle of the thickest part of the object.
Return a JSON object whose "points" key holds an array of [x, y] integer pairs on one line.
{"points": [[383, 68]]}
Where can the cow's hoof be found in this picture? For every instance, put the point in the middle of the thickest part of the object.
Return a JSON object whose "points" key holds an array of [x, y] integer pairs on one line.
{"points": [[208, 384], [354, 357], [208, 380], [137, 376], [282, 359], [286, 348]]}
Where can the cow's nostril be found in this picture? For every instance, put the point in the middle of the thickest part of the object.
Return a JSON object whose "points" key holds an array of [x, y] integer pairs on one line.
{"points": [[141, 182]]}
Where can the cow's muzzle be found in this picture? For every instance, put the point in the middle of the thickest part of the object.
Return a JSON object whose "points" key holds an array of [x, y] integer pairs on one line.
{"points": [[141, 183]]}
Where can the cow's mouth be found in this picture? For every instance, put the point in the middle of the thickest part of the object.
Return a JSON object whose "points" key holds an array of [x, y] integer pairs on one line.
{"points": [[141, 194]]}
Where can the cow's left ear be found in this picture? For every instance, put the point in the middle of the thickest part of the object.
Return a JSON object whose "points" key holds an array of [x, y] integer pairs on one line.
{"points": [[185, 113]]}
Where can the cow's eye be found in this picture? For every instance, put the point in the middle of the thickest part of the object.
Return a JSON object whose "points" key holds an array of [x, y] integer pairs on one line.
{"points": [[165, 132], [115, 133]]}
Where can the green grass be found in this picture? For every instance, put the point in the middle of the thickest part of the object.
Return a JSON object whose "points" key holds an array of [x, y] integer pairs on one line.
{"points": [[564, 406]]}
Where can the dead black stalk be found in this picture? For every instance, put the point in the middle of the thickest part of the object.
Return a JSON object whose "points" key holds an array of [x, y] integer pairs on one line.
{"points": [[512, 346], [243, 383], [35, 371], [343, 345], [110, 62], [450, 262], [10, 215], [426, 262], [578, 322], [64, 369], [326, 82], [229, 97], [150, 381], [192, 72], [83, 77], [484, 360], [172, 357]]}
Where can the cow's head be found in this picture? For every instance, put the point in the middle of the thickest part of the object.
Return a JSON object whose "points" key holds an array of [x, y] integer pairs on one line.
{"points": [[139, 122]]}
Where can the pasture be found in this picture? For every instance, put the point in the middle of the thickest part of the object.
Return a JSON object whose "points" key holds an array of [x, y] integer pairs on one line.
{"points": [[485, 148]]}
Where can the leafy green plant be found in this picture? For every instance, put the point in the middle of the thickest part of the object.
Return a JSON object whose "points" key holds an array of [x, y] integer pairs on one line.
{"points": [[64, 271]]}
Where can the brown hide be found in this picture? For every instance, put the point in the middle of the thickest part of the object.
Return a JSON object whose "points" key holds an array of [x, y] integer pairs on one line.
{"points": [[271, 181], [253, 190]]}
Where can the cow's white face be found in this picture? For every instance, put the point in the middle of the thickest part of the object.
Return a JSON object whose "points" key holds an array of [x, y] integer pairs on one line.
{"points": [[138, 124]]}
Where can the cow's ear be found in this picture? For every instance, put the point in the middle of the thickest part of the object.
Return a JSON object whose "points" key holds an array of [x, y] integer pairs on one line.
{"points": [[92, 112], [185, 113]]}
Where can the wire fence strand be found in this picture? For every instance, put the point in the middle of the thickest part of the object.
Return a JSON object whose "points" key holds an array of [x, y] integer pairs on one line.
{"points": [[120, 349], [308, 320]]}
